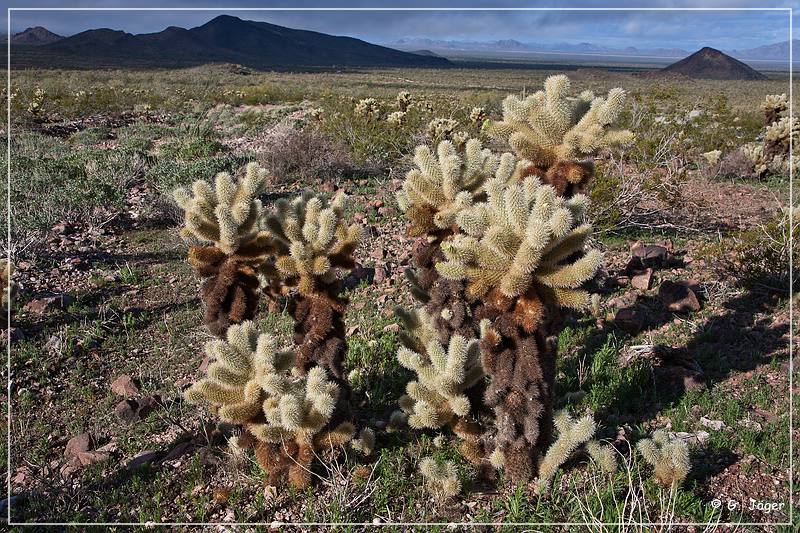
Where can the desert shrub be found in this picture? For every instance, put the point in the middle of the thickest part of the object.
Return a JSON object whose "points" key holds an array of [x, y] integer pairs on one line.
{"points": [[759, 257], [306, 154]]}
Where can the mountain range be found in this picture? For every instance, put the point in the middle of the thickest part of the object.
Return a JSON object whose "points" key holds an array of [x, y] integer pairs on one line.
{"points": [[224, 39], [773, 52]]}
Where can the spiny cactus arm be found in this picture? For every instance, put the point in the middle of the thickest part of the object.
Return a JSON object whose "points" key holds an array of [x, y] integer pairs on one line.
{"points": [[571, 275], [603, 455], [233, 382], [365, 443], [572, 433]]}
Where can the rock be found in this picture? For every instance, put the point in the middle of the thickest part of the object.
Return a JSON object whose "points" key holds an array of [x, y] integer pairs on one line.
{"points": [[16, 334], [752, 425], [145, 457], [124, 386], [178, 451], [47, 302], [126, 411], [204, 363], [380, 275], [387, 211], [650, 255], [642, 281], [357, 275], [76, 445], [678, 378], [629, 319], [678, 297], [393, 328], [716, 425], [87, 458], [699, 437], [147, 405]]}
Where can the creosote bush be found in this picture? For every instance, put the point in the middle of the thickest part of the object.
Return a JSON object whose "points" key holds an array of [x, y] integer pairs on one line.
{"points": [[292, 405]]}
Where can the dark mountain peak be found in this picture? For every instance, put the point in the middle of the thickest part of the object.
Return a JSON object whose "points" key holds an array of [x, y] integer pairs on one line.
{"points": [[35, 36], [223, 39], [710, 63]]}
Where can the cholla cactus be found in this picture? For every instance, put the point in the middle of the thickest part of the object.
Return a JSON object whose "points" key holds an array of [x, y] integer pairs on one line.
{"points": [[477, 115], [224, 219], [313, 239], [777, 135], [316, 113], [460, 139], [442, 185], [403, 100], [603, 456], [548, 126], [226, 216], [251, 383], [774, 107], [441, 480], [396, 118], [571, 435], [441, 128], [669, 458], [556, 132], [712, 157], [520, 237], [9, 288], [443, 377], [780, 132], [367, 108]]}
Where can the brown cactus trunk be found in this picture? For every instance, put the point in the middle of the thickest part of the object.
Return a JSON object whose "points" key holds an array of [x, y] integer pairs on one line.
{"points": [[519, 355]]}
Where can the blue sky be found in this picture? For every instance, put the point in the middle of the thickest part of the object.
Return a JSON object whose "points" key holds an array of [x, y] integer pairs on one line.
{"points": [[684, 29]]}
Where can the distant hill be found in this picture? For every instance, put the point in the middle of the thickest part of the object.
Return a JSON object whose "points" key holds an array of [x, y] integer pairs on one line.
{"points": [[224, 39], [35, 36], [775, 51], [425, 53], [712, 64]]}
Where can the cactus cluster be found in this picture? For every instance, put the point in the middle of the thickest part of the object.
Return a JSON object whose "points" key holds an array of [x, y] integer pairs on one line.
{"points": [[558, 134], [223, 220], [498, 254], [669, 458], [403, 100], [292, 404], [367, 108], [780, 132], [440, 479]]}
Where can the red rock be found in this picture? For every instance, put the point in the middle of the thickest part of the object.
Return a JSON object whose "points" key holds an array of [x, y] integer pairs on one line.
{"points": [[45, 303], [124, 386], [642, 281], [380, 275], [76, 445], [678, 297]]}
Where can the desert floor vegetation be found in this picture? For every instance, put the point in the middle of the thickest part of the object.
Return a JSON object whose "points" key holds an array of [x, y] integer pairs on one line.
{"points": [[669, 391]]}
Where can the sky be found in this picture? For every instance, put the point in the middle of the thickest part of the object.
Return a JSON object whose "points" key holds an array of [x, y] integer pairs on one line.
{"points": [[642, 29]]}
